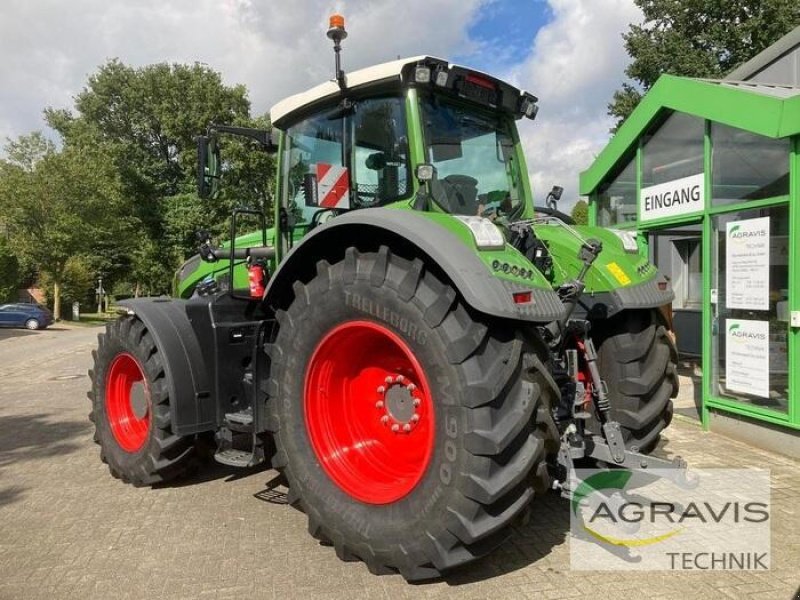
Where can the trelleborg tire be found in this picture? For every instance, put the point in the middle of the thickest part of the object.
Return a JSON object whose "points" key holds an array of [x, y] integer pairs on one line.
{"points": [[410, 430], [638, 361], [130, 408]]}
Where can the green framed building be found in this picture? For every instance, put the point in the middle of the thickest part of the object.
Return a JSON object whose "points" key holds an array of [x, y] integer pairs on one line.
{"points": [[709, 172]]}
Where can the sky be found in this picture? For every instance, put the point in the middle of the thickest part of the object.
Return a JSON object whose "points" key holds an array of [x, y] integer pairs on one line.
{"points": [[569, 53]]}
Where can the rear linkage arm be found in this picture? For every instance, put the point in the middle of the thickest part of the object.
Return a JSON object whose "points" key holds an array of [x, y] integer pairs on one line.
{"points": [[610, 447]]}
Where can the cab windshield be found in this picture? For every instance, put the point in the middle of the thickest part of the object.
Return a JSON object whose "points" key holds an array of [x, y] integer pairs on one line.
{"points": [[475, 163]]}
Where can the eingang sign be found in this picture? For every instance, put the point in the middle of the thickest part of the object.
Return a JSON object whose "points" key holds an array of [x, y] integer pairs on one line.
{"points": [[673, 199]]}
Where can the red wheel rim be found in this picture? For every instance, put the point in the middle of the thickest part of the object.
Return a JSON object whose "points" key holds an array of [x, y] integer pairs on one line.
{"points": [[368, 412], [128, 402]]}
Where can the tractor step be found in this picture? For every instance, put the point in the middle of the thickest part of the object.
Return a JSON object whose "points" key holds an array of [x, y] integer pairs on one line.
{"points": [[239, 458], [240, 421]]}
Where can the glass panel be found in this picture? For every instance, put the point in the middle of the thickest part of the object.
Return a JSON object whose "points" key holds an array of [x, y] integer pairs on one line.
{"points": [[477, 169], [747, 166], [674, 151], [314, 145], [750, 317], [380, 162], [616, 202], [687, 274]]}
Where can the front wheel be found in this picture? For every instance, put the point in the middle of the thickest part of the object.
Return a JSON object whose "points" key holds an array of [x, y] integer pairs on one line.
{"points": [[637, 358], [130, 408], [32, 324], [410, 430]]}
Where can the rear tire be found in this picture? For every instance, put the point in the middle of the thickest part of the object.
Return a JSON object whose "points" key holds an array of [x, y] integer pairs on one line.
{"points": [[130, 408], [638, 361], [484, 384]]}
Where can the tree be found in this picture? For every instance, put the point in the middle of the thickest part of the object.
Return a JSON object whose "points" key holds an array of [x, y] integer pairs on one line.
{"points": [[9, 273], [580, 213], [149, 118], [77, 283], [59, 205], [697, 38]]}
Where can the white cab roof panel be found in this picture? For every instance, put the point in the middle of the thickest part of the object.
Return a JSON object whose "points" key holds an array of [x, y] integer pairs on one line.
{"points": [[382, 72]]}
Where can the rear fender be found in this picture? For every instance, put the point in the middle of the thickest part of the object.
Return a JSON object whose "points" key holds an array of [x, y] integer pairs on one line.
{"points": [[413, 235]]}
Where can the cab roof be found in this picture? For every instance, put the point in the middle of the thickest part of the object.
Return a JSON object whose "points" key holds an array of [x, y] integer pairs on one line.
{"points": [[383, 73]]}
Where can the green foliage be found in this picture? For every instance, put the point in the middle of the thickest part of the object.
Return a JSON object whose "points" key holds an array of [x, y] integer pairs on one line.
{"points": [[580, 213], [148, 119], [10, 273], [77, 285], [59, 205], [697, 38]]}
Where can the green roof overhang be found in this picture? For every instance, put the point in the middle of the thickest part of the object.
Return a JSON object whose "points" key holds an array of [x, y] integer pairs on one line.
{"points": [[740, 106]]}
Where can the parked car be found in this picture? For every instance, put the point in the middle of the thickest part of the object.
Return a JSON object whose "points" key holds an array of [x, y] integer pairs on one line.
{"points": [[30, 316]]}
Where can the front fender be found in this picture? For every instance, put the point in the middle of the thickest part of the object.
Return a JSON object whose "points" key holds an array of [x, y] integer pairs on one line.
{"points": [[427, 240], [189, 378]]}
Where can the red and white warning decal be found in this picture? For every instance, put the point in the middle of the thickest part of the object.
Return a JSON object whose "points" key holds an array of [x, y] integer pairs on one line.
{"points": [[333, 186]]}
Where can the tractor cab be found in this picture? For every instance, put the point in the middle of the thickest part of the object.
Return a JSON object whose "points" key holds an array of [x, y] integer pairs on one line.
{"points": [[416, 133]]}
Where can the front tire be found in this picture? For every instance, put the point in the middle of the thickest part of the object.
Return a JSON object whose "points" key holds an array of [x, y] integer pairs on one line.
{"points": [[130, 408], [412, 490], [638, 361], [32, 324]]}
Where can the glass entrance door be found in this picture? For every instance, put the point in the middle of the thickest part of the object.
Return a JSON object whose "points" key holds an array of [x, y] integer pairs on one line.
{"points": [[749, 304]]}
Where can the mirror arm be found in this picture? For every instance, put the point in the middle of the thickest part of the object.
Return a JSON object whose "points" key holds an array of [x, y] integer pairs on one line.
{"points": [[262, 136]]}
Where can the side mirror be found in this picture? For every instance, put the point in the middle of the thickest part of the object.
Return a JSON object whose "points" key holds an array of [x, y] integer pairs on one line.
{"points": [[553, 197], [209, 166]]}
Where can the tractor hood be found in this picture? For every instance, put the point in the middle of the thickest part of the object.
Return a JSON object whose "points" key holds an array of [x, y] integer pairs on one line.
{"points": [[619, 279]]}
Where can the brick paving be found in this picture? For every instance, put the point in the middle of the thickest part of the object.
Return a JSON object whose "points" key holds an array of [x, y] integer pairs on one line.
{"points": [[68, 530]]}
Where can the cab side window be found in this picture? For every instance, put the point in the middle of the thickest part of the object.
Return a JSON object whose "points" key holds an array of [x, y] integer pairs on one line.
{"points": [[316, 156], [380, 152]]}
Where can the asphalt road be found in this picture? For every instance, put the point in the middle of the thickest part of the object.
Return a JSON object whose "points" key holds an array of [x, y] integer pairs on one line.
{"points": [[69, 530]]}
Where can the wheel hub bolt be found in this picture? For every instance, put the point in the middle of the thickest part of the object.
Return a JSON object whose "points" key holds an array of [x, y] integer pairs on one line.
{"points": [[398, 403]]}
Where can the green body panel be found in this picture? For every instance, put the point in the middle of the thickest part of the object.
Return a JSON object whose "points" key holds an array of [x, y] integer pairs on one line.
{"points": [[615, 267], [770, 116], [194, 270], [508, 255]]}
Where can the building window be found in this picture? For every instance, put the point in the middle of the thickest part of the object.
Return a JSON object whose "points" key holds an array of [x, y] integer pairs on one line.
{"points": [[616, 202], [747, 166], [674, 150], [687, 274], [750, 308]]}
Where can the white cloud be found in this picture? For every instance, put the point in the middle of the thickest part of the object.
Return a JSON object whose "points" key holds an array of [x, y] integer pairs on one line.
{"points": [[576, 63], [275, 49]]}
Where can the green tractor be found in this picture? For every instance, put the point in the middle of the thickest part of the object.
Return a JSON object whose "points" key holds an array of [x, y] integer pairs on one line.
{"points": [[414, 347]]}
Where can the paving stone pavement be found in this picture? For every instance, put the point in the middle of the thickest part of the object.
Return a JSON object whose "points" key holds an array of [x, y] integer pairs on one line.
{"points": [[69, 530]]}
